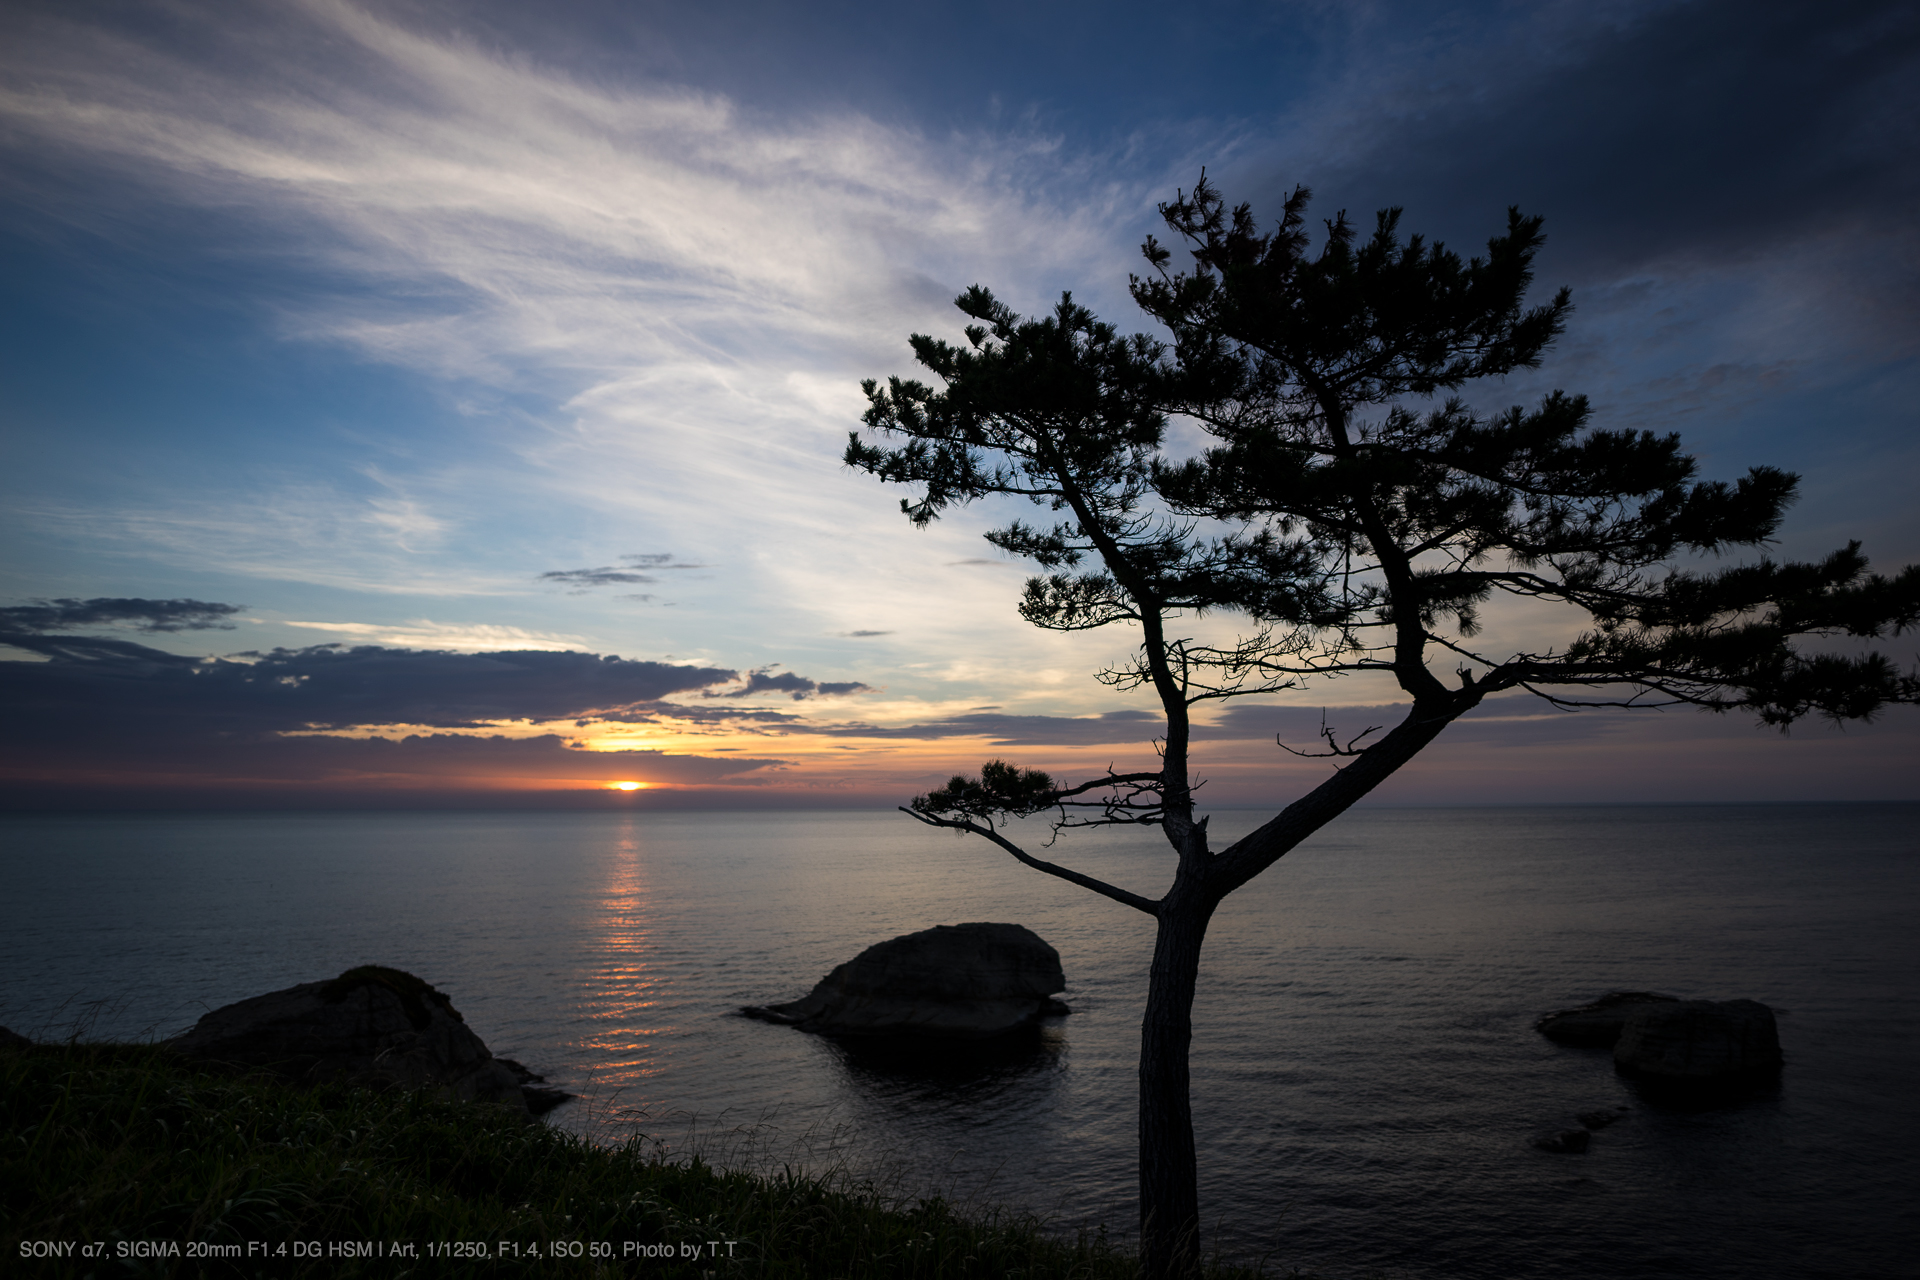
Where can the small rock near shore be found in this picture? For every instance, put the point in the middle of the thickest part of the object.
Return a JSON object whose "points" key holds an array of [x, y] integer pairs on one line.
{"points": [[539, 1098]]}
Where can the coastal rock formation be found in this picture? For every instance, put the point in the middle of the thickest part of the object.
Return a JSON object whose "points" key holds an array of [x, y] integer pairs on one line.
{"points": [[959, 980], [1596, 1025], [13, 1040], [1699, 1042], [533, 1090], [372, 1026]]}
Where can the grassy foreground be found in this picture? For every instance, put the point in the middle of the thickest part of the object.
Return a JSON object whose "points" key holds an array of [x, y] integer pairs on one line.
{"points": [[155, 1167]]}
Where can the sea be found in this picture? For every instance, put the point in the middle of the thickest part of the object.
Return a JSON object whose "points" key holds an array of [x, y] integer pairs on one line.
{"points": [[1366, 1076]]}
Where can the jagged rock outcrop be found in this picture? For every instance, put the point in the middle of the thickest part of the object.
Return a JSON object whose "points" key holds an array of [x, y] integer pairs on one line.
{"points": [[959, 980], [1699, 1042], [1596, 1025], [372, 1026]]}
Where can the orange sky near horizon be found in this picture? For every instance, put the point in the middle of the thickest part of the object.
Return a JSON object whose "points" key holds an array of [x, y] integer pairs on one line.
{"points": [[1512, 752]]}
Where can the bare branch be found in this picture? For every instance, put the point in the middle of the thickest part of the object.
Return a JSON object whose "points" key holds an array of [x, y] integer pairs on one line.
{"points": [[1333, 743], [1111, 779], [1085, 881]]}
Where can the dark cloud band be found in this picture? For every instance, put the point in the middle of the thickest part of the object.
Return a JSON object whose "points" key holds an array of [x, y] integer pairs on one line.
{"points": [[113, 611], [89, 685], [797, 687]]}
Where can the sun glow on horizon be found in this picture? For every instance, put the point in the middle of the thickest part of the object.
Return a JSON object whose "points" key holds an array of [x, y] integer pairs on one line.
{"points": [[625, 786]]}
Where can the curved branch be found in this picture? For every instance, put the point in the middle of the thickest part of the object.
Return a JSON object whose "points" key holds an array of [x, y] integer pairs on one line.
{"points": [[1085, 881]]}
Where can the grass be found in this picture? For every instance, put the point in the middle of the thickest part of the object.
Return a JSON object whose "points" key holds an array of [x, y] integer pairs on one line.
{"points": [[162, 1167]]}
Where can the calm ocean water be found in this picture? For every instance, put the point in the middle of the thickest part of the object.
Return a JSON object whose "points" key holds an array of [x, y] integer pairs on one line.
{"points": [[1365, 1076]]}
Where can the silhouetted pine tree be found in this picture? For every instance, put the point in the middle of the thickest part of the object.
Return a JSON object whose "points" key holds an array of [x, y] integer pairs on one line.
{"points": [[1370, 527]]}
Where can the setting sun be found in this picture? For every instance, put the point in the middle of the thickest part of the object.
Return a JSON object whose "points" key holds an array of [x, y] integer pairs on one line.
{"points": [[626, 786]]}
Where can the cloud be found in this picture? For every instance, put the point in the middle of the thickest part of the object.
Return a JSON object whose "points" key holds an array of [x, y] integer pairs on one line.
{"points": [[660, 560], [1132, 727], [304, 532], [1777, 140], [653, 302], [753, 720], [656, 237], [626, 573], [595, 577], [794, 686], [93, 686], [861, 635], [105, 713], [110, 611], [423, 633]]}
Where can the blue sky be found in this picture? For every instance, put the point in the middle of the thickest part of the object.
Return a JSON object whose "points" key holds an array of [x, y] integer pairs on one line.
{"points": [[468, 329]]}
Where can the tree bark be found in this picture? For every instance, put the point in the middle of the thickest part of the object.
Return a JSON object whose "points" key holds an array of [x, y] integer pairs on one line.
{"points": [[1169, 1170]]}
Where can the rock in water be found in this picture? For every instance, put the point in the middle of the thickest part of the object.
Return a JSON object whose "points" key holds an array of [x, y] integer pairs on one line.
{"points": [[1698, 1042], [1596, 1025], [1562, 1141], [372, 1026], [960, 980], [533, 1088]]}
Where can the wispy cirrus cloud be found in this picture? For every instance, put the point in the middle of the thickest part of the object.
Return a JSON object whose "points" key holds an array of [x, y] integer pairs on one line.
{"points": [[642, 230], [655, 304], [305, 533]]}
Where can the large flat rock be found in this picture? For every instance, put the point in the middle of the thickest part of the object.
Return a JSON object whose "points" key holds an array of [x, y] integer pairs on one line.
{"points": [[1699, 1042], [956, 980]]}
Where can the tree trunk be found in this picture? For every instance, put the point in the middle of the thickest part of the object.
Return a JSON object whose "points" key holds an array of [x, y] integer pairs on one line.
{"points": [[1169, 1171]]}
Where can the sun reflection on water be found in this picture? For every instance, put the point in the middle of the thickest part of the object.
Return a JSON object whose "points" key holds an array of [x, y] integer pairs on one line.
{"points": [[626, 986]]}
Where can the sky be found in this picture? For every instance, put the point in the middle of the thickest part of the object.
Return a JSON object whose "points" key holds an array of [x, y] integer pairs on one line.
{"points": [[433, 403]]}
